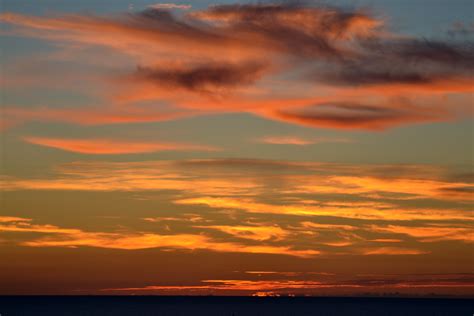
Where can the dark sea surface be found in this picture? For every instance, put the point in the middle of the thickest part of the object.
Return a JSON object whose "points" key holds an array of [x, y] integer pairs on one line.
{"points": [[230, 306]]}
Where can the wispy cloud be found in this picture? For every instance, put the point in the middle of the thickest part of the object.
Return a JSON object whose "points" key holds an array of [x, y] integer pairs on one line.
{"points": [[394, 251], [260, 233], [73, 237], [430, 233], [379, 193], [300, 141], [193, 218], [89, 115], [333, 67], [292, 286], [251, 206], [7, 219], [112, 147], [210, 78], [168, 6], [402, 188], [263, 206]]}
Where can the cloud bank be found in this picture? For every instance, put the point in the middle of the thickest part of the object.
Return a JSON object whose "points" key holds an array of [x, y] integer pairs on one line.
{"points": [[313, 65]]}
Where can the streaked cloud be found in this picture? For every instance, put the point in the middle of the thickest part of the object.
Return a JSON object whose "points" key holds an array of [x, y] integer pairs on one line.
{"points": [[319, 226], [302, 210], [138, 176], [234, 226], [89, 115], [386, 240], [430, 233], [72, 237], [7, 219], [99, 146], [301, 287], [324, 66], [168, 6], [404, 188], [212, 78], [394, 251], [295, 140], [382, 192], [193, 218], [259, 233], [356, 116]]}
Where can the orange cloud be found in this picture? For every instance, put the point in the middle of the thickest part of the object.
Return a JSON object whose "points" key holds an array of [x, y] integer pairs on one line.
{"points": [[232, 204], [394, 251], [302, 210], [193, 218], [285, 140], [327, 226], [112, 147], [341, 243], [259, 233], [210, 78], [233, 285], [168, 6], [71, 237], [429, 234], [406, 188], [385, 240], [90, 115], [6, 219], [240, 185], [346, 68], [352, 115], [294, 140], [243, 184], [137, 176], [286, 287]]}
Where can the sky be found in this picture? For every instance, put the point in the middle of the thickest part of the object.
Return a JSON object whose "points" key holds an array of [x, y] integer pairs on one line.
{"points": [[237, 148]]}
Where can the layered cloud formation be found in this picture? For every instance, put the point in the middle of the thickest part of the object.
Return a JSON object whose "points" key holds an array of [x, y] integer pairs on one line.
{"points": [[316, 211], [302, 286], [101, 178], [303, 213], [315, 65]]}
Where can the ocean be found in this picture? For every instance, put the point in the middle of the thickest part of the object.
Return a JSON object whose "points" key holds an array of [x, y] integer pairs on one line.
{"points": [[231, 306]]}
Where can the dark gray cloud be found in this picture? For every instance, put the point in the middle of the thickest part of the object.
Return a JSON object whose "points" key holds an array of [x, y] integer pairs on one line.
{"points": [[203, 78], [412, 62], [294, 27], [353, 115]]}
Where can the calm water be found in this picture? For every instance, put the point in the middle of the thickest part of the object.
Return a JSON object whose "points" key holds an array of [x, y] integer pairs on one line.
{"points": [[231, 306]]}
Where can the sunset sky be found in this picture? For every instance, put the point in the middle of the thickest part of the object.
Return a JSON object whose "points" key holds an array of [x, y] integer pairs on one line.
{"points": [[237, 148]]}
